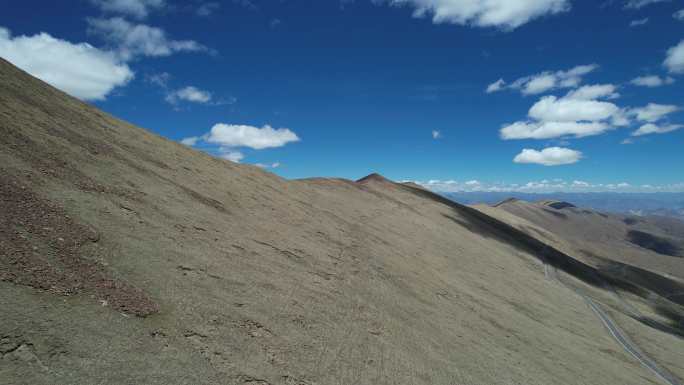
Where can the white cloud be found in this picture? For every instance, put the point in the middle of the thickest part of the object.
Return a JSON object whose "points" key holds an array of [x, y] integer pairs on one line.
{"points": [[235, 135], [545, 81], [504, 14], [652, 81], [636, 4], [674, 61], [577, 71], [233, 156], [190, 141], [496, 86], [272, 165], [650, 128], [540, 84], [551, 156], [472, 183], [136, 8], [679, 15], [80, 70], [594, 91], [620, 118], [653, 112], [223, 140], [436, 134], [159, 79], [548, 130], [580, 113], [189, 94], [132, 40], [553, 109], [636, 23], [208, 8], [545, 186]]}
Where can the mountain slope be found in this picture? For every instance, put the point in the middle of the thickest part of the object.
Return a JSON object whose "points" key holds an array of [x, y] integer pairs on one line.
{"points": [[644, 204], [652, 243], [641, 286], [128, 258]]}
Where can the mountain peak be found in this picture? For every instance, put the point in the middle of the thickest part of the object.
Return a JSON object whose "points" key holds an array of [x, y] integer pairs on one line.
{"points": [[374, 177]]}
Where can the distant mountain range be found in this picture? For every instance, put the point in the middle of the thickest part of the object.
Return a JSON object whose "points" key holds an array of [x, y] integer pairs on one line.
{"points": [[642, 204]]}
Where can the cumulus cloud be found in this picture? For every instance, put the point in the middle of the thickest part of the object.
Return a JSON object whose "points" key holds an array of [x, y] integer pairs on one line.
{"points": [[133, 40], [636, 4], [503, 14], [224, 139], [189, 94], [264, 165], [237, 135], [233, 156], [674, 61], [545, 81], [553, 109], [539, 84], [636, 23], [135, 8], [653, 112], [594, 91], [496, 86], [651, 128], [551, 156], [549, 130], [436, 134], [652, 81], [190, 141], [546, 185], [159, 79], [584, 111], [78, 69], [578, 114], [679, 15]]}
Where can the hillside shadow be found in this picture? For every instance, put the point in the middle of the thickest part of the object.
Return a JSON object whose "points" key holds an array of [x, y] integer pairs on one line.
{"points": [[634, 280], [654, 243]]}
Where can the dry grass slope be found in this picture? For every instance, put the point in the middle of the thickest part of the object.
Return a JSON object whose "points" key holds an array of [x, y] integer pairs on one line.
{"points": [[128, 258]]}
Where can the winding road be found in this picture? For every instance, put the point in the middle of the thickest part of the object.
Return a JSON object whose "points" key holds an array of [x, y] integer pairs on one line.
{"points": [[621, 337]]}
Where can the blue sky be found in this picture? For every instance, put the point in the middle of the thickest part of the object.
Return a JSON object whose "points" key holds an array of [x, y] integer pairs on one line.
{"points": [[590, 97]]}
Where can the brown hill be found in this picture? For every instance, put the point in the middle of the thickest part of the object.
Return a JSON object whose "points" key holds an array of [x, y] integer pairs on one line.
{"points": [[128, 258], [655, 244], [374, 178]]}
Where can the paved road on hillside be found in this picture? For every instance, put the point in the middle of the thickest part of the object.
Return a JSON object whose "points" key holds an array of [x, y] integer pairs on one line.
{"points": [[615, 331]]}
